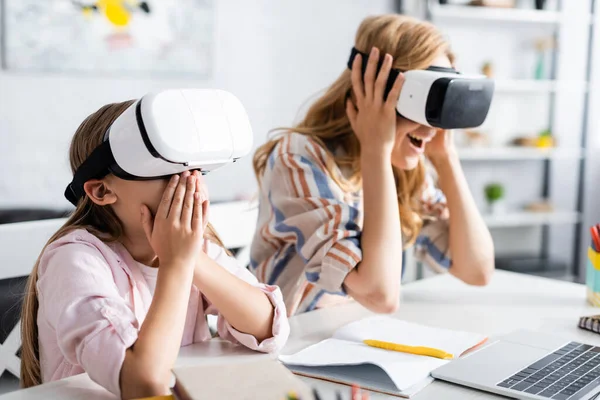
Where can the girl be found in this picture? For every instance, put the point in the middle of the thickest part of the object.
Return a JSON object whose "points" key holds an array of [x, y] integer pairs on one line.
{"points": [[110, 294], [344, 191]]}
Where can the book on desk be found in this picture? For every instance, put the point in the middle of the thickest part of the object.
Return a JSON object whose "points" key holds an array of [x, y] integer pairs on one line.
{"points": [[266, 379]]}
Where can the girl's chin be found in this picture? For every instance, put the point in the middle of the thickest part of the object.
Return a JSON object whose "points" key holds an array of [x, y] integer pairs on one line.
{"points": [[407, 163]]}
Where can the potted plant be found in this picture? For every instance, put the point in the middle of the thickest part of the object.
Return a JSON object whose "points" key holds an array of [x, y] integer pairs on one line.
{"points": [[545, 139], [494, 192]]}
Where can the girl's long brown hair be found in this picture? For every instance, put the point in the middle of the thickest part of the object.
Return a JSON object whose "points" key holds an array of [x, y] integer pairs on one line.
{"points": [[98, 220], [414, 44]]}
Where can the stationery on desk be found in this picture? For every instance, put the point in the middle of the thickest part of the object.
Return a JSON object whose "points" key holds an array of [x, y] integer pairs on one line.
{"points": [[382, 354], [592, 278], [592, 281]]}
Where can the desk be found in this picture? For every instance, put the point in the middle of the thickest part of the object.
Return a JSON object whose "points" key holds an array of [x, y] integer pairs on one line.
{"points": [[510, 302]]}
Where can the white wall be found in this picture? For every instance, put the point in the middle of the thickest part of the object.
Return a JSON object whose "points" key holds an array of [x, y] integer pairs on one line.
{"points": [[273, 55]]}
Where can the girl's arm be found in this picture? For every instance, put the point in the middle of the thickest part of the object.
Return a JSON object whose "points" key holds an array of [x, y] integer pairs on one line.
{"points": [[147, 366], [471, 244], [176, 237], [375, 282], [246, 307]]}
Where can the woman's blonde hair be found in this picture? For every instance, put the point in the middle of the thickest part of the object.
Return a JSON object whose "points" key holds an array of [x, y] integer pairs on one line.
{"points": [[414, 44], [98, 220]]}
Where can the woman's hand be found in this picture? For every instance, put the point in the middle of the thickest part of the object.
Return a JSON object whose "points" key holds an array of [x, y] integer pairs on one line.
{"points": [[372, 118], [176, 231], [441, 147]]}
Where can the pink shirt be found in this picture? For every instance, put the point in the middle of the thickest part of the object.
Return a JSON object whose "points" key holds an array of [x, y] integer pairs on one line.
{"points": [[93, 299]]}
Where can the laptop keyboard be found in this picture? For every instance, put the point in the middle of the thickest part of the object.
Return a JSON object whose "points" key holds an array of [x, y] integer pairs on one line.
{"points": [[569, 373]]}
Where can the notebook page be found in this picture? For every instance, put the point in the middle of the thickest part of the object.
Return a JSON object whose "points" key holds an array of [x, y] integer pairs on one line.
{"points": [[405, 370], [367, 376], [407, 333]]}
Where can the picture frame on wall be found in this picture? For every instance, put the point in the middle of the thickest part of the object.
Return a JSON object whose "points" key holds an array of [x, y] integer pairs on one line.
{"points": [[140, 38]]}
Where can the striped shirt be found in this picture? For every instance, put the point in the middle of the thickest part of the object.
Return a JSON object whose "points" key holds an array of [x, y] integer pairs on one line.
{"points": [[309, 229]]}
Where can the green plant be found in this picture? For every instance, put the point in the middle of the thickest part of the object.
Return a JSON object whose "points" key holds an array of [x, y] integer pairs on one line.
{"points": [[494, 192]]}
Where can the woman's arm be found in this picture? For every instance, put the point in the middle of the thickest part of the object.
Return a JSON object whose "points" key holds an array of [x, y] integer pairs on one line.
{"points": [[244, 306], [375, 282], [471, 244]]}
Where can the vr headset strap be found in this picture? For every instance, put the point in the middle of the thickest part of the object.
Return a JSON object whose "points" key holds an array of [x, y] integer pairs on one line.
{"points": [[365, 61], [393, 72], [95, 167]]}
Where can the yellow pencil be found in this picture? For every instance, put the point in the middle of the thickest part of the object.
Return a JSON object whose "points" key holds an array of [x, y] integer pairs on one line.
{"points": [[419, 350]]}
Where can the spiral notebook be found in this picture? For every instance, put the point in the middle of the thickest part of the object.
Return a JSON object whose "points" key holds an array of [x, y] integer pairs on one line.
{"points": [[345, 359]]}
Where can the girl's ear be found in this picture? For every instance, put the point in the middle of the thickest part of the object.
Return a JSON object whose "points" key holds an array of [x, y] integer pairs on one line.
{"points": [[99, 192]]}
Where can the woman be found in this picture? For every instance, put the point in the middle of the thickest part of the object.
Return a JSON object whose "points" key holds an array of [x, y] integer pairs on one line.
{"points": [[347, 189]]}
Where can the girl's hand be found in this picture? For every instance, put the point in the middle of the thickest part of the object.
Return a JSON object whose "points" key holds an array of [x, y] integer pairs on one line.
{"points": [[373, 119], [441, 147], [204, 198], [176, 231]]}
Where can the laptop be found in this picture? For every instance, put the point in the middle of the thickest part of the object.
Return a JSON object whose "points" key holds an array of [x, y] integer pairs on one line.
{"points": [[529, 365]]}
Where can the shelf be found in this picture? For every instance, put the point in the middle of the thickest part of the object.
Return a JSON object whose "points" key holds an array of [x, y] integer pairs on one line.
{"points": [[528, 218], [538, 86], [494, 14], [516, 153]]}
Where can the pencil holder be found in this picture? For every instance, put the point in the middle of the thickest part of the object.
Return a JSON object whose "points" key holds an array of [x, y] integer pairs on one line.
{"points": [[592, 278]]}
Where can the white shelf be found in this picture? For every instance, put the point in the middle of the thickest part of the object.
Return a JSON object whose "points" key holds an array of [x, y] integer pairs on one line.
{"points": [[516, 153], [494, 14], [538, 86], [529, 218]]}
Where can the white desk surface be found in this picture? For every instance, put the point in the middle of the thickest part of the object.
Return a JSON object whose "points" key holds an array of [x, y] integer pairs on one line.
{"points": [[510, 302]]}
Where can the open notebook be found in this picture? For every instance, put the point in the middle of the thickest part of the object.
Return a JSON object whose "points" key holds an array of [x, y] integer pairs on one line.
{"points": [[345, 359]]}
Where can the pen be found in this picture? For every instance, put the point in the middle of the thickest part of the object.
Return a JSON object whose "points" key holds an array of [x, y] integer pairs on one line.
{"points": [[292, 396], [595, 238], [419, 350], [316, 394]]}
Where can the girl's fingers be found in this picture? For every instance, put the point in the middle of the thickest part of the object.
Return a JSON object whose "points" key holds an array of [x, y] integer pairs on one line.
{"points": [[357, 79], [178, 196], [188, 202], [167, 198], [370, 73], [382, 78], [197, 213], [205, 213], [392, 98], [198, 175], [147, 222]]}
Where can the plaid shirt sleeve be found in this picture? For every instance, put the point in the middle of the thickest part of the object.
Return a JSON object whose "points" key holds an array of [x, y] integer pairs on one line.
{"points": [[311, 211]]}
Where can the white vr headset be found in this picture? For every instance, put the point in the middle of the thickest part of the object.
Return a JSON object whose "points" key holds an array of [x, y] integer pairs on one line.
{"points": [[166, 133], [439, 97]]}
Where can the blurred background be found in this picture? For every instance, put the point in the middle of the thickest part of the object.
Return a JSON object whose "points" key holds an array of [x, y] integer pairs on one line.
{"points": [[531, 167]]}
